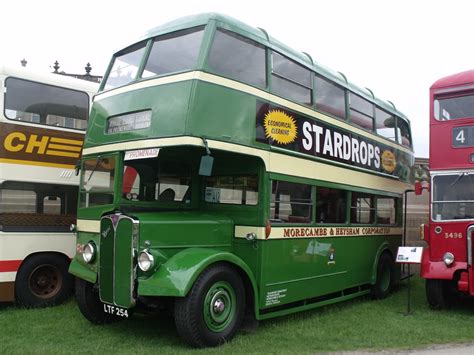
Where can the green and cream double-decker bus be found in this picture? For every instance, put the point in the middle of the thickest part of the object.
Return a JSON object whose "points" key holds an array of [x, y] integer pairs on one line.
{"points": [[226, 175]]}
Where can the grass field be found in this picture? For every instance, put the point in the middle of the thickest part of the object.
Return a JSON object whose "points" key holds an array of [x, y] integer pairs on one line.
{"points": [[354, 325]]}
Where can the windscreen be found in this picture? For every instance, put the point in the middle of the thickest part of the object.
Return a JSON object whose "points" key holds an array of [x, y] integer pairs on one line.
{"points": [[40, 103], [125, 66], [454, 107], [453, 197]]}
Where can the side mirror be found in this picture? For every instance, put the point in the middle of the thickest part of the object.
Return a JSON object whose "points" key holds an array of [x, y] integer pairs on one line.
{"points": [[419, 188], [205, 167]]}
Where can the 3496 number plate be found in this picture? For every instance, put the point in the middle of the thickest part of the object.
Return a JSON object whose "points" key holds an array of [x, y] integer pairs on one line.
{"points": [[116, 311]]}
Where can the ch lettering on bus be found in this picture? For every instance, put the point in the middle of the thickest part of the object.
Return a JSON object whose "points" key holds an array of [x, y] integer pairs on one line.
{"points": [[18, 142]]}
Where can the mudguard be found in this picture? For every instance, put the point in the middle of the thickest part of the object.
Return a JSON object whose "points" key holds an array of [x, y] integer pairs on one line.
{"points": [[438, 269], [82, 271], [177, 275]]}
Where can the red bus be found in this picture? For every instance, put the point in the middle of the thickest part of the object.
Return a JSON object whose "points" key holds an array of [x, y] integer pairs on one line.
{"points": [[447, 261]]}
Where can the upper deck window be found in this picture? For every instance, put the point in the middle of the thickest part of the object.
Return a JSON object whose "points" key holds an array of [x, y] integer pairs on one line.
{"points": [[454, 107], [126, 65], [174, 52], [384, 124], [330, 98], [291, 80], [404, 134], [238, 58], [361, 112], [29, 101]]}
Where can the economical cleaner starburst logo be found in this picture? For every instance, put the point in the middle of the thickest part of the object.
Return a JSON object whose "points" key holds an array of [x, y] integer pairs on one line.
{"points": [[280, 127]]}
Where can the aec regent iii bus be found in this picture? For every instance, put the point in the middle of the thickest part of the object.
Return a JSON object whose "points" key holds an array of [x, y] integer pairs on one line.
{"points": [[224, 174], [447, 262], [43, 120]]}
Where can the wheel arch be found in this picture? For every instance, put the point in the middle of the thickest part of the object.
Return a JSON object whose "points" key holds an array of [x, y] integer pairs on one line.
{"points": [[43, 253], [177, 275], [384, 248]]}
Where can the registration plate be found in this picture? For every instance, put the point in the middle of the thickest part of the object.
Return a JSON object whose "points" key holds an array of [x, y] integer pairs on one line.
{"points": [[116, 311]]}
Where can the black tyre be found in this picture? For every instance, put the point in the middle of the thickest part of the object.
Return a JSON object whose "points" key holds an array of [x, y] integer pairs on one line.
{"points": [[385, 277], [88, 301], [212, 311], [437, 293], [43, 280]]}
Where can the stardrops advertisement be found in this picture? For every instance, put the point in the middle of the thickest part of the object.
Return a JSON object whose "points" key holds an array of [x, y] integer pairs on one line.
{"points": [[283, 128]]}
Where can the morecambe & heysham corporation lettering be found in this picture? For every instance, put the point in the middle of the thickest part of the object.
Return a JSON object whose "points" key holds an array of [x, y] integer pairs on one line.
{"points": [[334, 231]]}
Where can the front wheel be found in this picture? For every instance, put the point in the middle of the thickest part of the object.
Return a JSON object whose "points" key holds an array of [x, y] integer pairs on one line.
{"points": [[43, 280], [88, 301], [437, 293], [212, 311], [385, 277]]}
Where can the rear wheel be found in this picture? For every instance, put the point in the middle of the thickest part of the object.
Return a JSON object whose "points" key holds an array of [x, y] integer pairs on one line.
{"points": [[90, 305], [212, 311], [385, 277], [437, 293], [43, 280]]}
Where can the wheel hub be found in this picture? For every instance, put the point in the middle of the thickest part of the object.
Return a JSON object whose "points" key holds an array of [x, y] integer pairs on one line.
{"points": [[45, 281], [219, 306]]}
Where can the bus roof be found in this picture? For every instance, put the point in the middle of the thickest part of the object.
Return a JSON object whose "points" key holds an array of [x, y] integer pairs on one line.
{"points": [[49, 78], [261, 36], [462, 78]]}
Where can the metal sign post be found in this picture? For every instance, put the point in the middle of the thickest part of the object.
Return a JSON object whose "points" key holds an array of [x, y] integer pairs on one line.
{"points": [[409, 255]]}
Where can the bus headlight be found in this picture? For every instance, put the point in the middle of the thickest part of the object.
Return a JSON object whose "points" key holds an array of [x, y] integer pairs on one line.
{"points": [[89, 252], [145, 260], [448, 258]]}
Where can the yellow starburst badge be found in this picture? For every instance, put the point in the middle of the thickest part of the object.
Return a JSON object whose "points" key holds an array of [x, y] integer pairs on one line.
{"points": [[280, 127], [389, 162]]}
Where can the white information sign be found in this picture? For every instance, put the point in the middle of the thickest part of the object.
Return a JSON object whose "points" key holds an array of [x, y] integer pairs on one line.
{"points": [[409, 255], [141, 154]]}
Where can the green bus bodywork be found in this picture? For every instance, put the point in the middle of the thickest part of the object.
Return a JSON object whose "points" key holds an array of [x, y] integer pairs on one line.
{"points": [[224, 220]]}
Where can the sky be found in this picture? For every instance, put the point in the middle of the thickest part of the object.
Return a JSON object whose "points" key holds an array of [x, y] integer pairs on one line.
{"points": [[396, 48]]}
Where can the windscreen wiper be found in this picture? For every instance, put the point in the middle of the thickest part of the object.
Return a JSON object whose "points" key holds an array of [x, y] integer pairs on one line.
{"points": [[94, 169], [460, 176]]}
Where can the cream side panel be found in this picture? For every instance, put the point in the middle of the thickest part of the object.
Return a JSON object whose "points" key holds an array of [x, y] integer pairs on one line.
{"points": [[29, 173], [17, 246], [302, 231], [86, 225], [7, 276], [287, 165], [274, 162]]}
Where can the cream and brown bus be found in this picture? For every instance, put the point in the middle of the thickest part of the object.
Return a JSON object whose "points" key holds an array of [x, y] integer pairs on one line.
{"points": [[43, 119]]}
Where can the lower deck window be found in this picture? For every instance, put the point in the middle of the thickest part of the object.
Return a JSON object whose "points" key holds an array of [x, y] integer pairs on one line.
{"points": [[235, 190], [290, 203], [386, 210], [33, 207], [330, 205], [362, 208]]}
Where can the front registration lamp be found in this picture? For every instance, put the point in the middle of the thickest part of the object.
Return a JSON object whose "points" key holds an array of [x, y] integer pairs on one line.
{"points": [[89, 252], [145, 260], [448, 258]]}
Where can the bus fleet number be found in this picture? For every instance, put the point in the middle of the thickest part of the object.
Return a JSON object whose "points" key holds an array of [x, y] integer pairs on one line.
{"points": [[453, 235], [463, 136]]}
